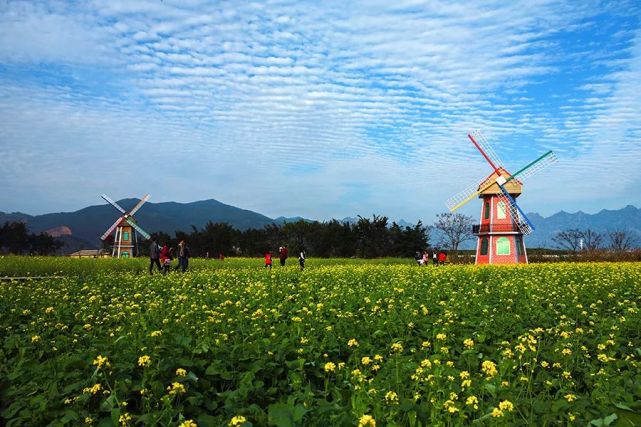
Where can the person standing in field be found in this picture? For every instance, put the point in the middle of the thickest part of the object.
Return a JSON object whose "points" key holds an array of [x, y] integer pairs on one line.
{"points": [[283, 252], [183, 256], [154, 256], [301, 259], [268, 260], [441, 257], [434, 258]]}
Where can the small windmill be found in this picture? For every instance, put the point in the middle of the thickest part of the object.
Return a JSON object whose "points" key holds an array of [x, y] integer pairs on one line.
{"points": [[503, 224], [125, 239]]}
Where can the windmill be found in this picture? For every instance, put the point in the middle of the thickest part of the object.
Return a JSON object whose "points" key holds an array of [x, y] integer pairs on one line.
{"points": [[503, 224], [125, 239]]}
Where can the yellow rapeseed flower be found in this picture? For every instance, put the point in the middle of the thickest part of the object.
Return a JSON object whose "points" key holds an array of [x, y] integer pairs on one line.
{"points": [[367, 421], [468, 343], [188, 423], [472, 401], [570, 397], [397, 347], [489, 368], [391, 397], [497, 413], [176, 388], [330, 367], [181, 372], [237, 421], [144, 361], [506, 405], [352, 342]]}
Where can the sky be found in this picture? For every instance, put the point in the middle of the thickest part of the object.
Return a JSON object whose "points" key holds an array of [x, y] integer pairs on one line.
{"points": [[320, 109]]}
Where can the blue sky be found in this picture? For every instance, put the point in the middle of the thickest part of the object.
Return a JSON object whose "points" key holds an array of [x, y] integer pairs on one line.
{"points": [[318, 109]]}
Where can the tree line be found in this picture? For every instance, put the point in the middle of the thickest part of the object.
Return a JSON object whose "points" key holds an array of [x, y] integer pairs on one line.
{"points": [[367, 238], [16, 239], [576, 240]]}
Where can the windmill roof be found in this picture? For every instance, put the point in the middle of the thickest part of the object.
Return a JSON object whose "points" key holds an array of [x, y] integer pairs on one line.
{"points": [[514, 187]]}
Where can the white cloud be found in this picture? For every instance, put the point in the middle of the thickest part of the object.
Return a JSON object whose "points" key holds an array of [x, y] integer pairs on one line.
{"points": [[373, 94]]}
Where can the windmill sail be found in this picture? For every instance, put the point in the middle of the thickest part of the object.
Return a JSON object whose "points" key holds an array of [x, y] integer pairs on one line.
{"points": [[111, 229], [138, 229], [485, 148], [519, 218], [112, 203]]}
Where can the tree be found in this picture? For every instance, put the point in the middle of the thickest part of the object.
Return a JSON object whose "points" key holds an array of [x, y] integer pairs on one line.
{"points": [[621, 241], [456, 229], [591, 240], [568, 239]]}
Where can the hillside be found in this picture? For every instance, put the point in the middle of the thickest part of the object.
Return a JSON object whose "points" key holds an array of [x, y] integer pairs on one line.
{"points": [[89, 223]]}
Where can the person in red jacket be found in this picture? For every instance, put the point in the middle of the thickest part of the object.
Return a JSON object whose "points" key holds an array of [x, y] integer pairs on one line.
{"points": [[165, 258], [268, 260], [441, 257], [283, 252]]}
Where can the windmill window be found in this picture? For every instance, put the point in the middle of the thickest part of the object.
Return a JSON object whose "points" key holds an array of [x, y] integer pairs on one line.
{"points": [[502, 246], [125, 235], [500, 210], [484, 246], [519, 246], [486, 210]]}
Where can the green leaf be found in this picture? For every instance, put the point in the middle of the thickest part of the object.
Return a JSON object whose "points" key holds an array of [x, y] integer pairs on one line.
{"points": [[623, 406], [284, 415]]}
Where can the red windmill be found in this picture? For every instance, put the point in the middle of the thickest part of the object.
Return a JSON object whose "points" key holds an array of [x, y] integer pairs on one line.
{"points": [[503, 224]]}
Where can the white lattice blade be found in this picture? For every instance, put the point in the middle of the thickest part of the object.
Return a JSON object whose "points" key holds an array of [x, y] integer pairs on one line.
{"points": [[523, 226], [111, 229], [462, 197], [548, 159], [138, 229], [482, 142], [112, 203], [139, 204]]}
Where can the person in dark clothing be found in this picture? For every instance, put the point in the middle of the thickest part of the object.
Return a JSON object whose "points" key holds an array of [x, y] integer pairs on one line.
{"points": [[183, 256], [283, 252], [154, 256], [301, 259]]}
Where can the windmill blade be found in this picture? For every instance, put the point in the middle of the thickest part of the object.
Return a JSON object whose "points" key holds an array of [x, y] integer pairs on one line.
{"points": [[114, 204], [486, 149], [520, 219], [111, 229], [534, 167], [525, 172], [142, 232], [139, 204], [461, 198]]}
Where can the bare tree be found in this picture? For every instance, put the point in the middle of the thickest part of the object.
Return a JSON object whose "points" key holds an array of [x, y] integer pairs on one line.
{"points": [[591, 239], [456, 228], [621, 241], [568, 239]]}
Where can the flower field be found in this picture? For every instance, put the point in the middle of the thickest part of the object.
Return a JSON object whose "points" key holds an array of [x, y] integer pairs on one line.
{"points": [[341, 343]]}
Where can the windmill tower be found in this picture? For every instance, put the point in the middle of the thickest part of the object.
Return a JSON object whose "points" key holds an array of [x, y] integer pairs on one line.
{"points": [[503, 224], [125, 239]]}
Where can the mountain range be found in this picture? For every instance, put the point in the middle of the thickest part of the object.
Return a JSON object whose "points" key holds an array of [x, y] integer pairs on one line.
{"points": [[82, 229]]}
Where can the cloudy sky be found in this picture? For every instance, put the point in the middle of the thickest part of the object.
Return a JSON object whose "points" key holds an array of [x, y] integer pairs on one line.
{"points": [[319, 109]]}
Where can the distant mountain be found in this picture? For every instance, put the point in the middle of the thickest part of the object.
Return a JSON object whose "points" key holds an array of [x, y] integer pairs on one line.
{"points": [[626, 219], [88, 224]]}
